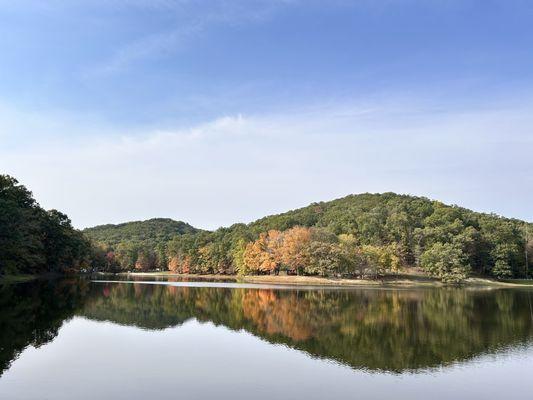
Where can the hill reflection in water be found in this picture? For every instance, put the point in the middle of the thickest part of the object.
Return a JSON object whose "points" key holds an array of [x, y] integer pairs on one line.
{"points": [[392, 330]]}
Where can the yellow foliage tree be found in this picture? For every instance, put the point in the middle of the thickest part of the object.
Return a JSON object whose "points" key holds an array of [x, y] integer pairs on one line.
{"points": [[294, 248], [261, 256]]}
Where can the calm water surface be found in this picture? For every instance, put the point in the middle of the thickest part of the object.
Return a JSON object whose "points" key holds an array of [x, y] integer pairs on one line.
{"points": [[77, 339]]}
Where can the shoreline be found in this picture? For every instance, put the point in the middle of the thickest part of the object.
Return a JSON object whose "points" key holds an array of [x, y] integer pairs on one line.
{"points": [[406, 280], [402, 280], [8, 279], [21, 278]]}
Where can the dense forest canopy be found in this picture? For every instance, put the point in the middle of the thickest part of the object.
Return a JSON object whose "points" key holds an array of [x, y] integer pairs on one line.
{"points": [[138, 244], [33, 240], [151, 232], [365, 235]]}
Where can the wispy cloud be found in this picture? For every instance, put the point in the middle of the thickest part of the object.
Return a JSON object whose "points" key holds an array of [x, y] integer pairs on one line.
{"points": [[150, 46], [237, 168], [190, 20]]}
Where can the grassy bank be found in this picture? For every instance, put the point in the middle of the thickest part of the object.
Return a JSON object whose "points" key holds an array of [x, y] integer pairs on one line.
{"points": [[406, 280], [20, 278], [17, 278]]}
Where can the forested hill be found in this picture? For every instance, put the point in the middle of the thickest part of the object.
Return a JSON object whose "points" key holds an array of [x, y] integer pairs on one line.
{"points": [[364, 235], [379, 218], [34, 240], [154, 230], [140, 245]]}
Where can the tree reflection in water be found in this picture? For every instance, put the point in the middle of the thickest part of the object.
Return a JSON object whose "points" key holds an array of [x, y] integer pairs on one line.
{"points": [[392, 330]]}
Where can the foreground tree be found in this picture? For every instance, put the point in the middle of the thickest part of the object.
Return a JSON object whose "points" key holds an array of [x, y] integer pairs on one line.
{"points": [[446, 262], [262, 255], [33, 240], [325, 258], [293, 249]]}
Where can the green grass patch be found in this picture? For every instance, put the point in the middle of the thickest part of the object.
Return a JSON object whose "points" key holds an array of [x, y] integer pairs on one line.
{"points": [[5, 279], [525, 282]]}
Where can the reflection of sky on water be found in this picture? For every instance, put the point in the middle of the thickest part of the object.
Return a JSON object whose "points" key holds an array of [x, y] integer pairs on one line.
{"points": [[92, 359], [80, 339]]}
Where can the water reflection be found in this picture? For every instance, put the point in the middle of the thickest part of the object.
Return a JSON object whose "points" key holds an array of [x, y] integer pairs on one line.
{"points": [[371, 329], [32, 313]]}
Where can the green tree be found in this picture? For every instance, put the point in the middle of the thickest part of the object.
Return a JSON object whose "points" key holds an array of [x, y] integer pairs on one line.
{"points": [[502, 254], [446, 262], [33, 240]]}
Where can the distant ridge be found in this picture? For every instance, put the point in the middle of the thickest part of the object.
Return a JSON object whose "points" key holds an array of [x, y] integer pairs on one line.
{"points": [[151, 230]]}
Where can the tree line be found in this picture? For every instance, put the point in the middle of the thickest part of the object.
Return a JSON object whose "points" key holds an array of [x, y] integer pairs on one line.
{"points": [[34, 240], [364, 236]]}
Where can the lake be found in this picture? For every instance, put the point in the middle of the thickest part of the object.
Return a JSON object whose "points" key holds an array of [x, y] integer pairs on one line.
{"points": [[83, 339]]}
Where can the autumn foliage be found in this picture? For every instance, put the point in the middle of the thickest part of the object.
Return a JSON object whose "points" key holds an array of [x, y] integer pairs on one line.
{"points": [[263, 255], [180, 265], [312, 251], [367, 235]]}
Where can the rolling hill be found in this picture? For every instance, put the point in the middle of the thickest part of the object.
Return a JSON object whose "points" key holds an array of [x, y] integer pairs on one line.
{"points": [[152, 231]]}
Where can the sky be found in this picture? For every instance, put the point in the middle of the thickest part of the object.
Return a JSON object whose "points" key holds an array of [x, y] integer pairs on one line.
{"points": [[219, 111]]}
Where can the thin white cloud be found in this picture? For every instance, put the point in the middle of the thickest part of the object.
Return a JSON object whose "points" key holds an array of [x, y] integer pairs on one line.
{"points": [[190, 20], [238, 168], [146, 47]]}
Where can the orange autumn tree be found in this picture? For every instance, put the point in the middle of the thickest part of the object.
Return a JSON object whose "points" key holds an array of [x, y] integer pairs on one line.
{"points": [[180, 264], [294, 248], [262, 256], [275, 249], [143, 263], [174, 264]]}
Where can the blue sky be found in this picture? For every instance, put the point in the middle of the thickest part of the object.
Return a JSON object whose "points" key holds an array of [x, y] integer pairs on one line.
{"points": [[222, 111]]}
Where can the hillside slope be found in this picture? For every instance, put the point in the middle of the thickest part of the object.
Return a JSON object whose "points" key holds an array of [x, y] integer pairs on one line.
{"points": [[34, 240], [364, 235], [155, 230]]}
